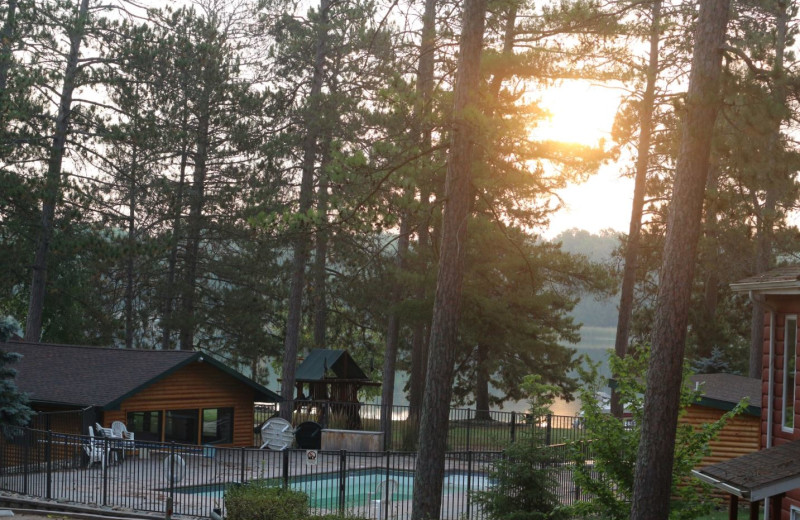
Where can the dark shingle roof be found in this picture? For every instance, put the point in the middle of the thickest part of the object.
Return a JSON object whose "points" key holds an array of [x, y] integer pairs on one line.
{"points": [[97, 376], [781, 280], [724, 391], [338, 363], [757, 475]]}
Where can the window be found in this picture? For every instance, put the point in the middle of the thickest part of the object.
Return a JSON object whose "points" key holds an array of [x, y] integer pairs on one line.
{"points": [[181, 426], [217, 426], [789, 370], [146, 426]]}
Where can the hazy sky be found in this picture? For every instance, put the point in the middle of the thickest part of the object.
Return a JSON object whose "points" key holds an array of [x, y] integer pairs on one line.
{"points": [[603, 202], [584, 113]]}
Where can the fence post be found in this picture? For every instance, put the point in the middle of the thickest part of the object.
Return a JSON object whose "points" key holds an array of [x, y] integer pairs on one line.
{"points": [[171, 501], [387, 499], [513, 426], [105, 470], [285, 469], [327, 414], [342, 479], [26, 441], [241, 463], [469, 429], [469, 483], [48, 455], [549, 430]]}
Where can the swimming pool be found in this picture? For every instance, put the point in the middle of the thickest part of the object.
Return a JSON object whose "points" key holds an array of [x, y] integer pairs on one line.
{"points": [[323, 489]]}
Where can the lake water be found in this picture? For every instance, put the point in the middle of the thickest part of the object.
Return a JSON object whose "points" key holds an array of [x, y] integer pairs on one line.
{"points": [[595, 344]]}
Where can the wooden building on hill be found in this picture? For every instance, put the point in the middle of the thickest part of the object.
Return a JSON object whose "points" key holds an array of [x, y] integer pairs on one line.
{"points": [[161, 395], [720, 393], [771, 475]]}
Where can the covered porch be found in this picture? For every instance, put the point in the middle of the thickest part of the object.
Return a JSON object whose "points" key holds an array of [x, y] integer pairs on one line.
{"points": [[761, 477]]}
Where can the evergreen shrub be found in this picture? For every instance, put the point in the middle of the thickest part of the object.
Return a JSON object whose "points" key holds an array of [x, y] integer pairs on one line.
{"points": [[257, 501]]}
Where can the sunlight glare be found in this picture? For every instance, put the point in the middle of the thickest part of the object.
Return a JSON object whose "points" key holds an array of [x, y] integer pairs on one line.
{"points": [[581, 113]]}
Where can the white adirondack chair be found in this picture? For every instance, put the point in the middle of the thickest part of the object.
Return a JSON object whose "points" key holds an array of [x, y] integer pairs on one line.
{"points": [[95, 449], [120, 431]]}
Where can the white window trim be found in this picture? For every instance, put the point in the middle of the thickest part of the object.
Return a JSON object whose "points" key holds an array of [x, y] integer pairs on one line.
{"points": [[794, 513], [794, 389]]}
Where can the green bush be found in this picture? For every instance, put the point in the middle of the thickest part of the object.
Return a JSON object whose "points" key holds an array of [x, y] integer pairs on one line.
{"points": [[525, 486], [524, 479], [257, 501]]}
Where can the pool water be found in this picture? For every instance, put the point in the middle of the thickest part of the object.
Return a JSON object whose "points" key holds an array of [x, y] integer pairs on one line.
{"points": [[323, 489]]}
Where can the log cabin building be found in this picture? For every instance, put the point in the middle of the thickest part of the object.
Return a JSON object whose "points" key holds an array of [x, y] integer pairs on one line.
{"points": [[772, 475], [718, 394], [161, 395]]}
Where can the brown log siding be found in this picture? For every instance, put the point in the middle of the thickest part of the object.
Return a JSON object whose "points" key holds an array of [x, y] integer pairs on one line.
{"points": [[785, 305], [198, 385], [739, 437]]}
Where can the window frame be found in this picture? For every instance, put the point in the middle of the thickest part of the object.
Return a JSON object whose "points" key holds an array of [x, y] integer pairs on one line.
{"points": [[140, 434], [788, 402], [221, 410], [187, 416]]}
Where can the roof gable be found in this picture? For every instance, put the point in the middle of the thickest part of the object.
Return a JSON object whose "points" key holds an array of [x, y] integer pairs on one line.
{"points": [[329, 364], [97, 376], [757, 475], [781, 280]]}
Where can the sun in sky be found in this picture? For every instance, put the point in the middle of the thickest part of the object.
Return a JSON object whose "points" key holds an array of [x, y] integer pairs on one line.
{"points": [[583, 113]]}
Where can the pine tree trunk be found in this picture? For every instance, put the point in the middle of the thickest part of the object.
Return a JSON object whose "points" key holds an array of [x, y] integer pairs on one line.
{"points": [[707, 336], [321, 253], [393, 338], [765, 239], [482, 354], [438, 387], [482, 384], [52, 181], [194, 225], [655, 457], [423, 108], [634, 231], [301, 244], [6, 38], [169, 297], [416, 392], [131, 257]]}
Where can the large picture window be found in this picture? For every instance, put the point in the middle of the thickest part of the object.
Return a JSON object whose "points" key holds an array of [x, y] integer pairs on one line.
{"points": [[217, 426], [789, 371], [181, 426], [146, 426]]}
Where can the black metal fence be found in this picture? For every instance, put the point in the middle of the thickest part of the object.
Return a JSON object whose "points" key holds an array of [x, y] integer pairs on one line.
{"points": [[192, 480], [469, 430]]}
